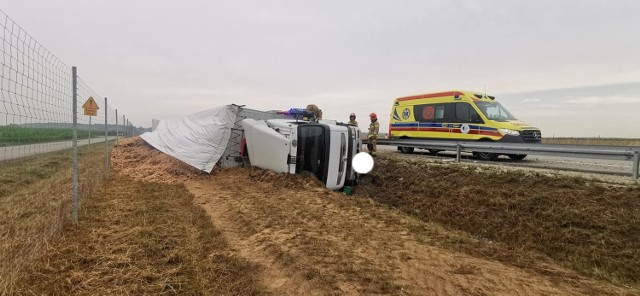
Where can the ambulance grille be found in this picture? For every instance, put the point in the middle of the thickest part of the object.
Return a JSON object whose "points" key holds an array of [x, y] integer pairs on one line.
{"points": [[531, 136]]}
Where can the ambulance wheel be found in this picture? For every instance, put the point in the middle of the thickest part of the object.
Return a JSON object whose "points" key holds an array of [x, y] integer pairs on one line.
{"points": [[434, 151], [406, 150], [517, 156], [485, 156]]}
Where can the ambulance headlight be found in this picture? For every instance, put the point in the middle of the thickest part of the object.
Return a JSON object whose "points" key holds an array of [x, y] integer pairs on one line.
{"points": [[509, 132]]}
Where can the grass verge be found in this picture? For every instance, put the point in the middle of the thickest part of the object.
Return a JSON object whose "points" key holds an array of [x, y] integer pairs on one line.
{"points": [[592, 228], [142, 238], [133, 237], [35, 203]]}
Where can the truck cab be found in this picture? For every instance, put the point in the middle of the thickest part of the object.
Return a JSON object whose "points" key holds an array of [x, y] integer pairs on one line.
{"points": [[323, 148]]}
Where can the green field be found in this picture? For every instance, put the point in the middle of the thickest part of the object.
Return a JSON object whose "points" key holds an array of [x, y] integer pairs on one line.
{"points": [[16, 135]]}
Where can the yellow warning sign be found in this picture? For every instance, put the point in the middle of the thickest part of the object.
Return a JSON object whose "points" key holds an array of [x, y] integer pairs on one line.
{"points": [[90, 107]]}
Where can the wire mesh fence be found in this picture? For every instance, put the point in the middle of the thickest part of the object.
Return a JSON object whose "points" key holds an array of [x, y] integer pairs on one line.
{"points": [[51, 149], [36, 100], [46, 107]]}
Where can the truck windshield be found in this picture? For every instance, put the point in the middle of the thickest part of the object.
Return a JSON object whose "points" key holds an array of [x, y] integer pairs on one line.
{"points": [[494, 111], [311, 150]]}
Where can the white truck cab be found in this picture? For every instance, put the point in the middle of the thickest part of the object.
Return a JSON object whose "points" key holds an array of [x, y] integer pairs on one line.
{"points": [[324, 148]]}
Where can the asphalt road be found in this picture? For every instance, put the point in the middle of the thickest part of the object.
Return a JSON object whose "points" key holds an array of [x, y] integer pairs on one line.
{"points": [[600, 166], [20, 151]]}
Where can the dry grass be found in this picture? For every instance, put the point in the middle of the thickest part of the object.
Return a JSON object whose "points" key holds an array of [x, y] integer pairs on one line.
{"points": [[335, 245], [593, 141], [138, 237], [592, 228], [142, 238], [139, 160], [35, 203], [133, 238]]}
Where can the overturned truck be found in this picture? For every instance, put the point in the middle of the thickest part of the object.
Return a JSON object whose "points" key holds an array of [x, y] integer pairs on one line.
{"points": [[233, 135], [323, 148]]}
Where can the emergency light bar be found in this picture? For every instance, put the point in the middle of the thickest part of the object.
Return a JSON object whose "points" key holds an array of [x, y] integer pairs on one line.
{"points": [[297, 113]]}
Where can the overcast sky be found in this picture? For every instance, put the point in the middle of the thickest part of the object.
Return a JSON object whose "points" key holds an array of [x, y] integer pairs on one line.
{"points": [[571, 68]]}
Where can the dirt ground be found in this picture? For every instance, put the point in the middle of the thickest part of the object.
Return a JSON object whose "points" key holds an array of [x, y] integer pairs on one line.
{"points": [[283, 235], [313, 241], [589, 225], [140, 238]]}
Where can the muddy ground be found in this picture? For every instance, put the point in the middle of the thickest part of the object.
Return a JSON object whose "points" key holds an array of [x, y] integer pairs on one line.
{"points": [[313, 241], [288, 235]]}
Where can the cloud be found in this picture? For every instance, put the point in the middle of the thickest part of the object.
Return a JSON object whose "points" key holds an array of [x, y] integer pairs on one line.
{"points": [[532, 100], [602, 101]]}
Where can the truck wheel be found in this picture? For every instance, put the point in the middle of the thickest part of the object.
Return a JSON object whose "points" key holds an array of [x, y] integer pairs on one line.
{"points": [[406, 150], [517, 156], [434, 151]]}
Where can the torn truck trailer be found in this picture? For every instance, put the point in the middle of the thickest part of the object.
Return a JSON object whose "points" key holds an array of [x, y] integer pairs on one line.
{"points": [[324, 148], [206, 138], [232, 135]]}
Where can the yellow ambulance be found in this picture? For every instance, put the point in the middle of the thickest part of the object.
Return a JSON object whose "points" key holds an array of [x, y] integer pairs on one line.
{"points": [[458, 116]]}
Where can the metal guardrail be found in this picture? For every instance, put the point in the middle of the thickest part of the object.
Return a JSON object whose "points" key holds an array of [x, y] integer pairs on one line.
{"points": [[573, 151]]}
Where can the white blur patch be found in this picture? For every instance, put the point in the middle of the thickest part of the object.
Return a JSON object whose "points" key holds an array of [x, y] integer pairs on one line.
{"points": [[362, 163]]}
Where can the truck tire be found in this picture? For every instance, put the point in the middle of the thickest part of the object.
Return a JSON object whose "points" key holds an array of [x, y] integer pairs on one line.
{"points": [[517, 156], [406, 150]]}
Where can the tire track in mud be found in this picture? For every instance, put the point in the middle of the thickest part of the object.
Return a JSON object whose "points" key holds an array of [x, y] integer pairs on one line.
{"points": [[236, 231], [314, 242]]}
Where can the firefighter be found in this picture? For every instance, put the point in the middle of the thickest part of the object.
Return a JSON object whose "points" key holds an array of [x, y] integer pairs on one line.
{"points": [[317, 113], [374, 128], [352, 120]]}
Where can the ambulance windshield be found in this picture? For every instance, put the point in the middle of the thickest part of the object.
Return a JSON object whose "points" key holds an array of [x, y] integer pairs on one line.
{"points": [[494, 111]]}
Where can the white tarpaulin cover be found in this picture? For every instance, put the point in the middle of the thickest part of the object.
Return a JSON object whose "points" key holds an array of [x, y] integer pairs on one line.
{"points": [[198, 139]]}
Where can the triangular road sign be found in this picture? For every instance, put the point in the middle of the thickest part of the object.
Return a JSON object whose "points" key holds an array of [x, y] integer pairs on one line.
{"points": [[90, 107]]}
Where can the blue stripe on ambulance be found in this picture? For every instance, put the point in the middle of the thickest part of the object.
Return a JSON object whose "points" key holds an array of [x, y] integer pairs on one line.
{"points": [[450, 125]]}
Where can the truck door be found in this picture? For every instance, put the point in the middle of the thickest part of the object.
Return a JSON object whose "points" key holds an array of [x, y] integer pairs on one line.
{"points": [[268, 149]]}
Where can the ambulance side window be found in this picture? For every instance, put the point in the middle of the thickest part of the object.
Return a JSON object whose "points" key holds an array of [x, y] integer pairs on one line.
{"points": [[443, 112], [431, 112], [466, 114]]}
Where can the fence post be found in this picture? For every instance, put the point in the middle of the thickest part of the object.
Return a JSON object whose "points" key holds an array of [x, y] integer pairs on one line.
{"points": [[106, 141], [458, 151], [124, 126], [74, 209], [117, 135], [89, 132], [636, 164]]}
